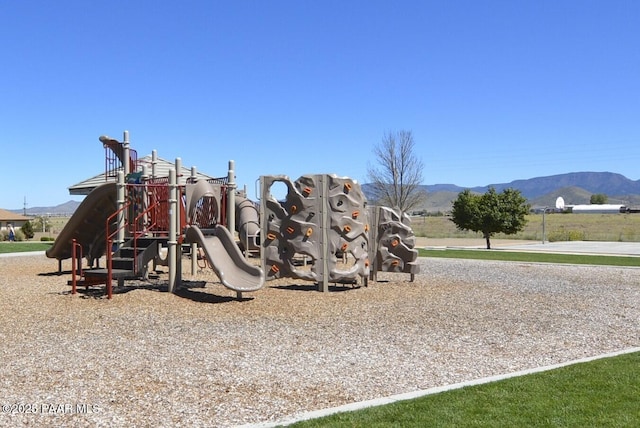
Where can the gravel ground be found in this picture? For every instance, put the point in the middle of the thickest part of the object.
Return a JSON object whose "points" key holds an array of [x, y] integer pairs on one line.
{"points": [[202, 358]]}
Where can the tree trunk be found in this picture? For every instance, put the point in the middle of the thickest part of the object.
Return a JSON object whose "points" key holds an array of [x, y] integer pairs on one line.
{"points": [[487, 237]]}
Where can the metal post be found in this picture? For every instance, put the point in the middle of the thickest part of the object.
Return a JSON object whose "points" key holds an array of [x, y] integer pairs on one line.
{"points": [[194, 245], [325, 225], [171, 253], [145, 195], [178, 222], [154, 162], [126, 155], [261, 193], [120, 200], [543, 225], [231, 198]]}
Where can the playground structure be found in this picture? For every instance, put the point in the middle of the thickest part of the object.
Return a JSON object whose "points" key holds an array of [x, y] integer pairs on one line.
{"points": [[141, 218], [322, 215], [393, 242], [323, 231]]}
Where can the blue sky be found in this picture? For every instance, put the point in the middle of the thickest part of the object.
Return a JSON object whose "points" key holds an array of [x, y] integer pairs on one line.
{"points": [[493, 91]]}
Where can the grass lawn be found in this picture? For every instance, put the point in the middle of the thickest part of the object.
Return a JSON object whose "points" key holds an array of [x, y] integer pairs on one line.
{"points": [[588, 259], [21, 247], [602, 393]]}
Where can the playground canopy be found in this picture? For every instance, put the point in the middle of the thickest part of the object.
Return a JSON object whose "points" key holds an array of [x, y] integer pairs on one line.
{"points": [[163, 166]]}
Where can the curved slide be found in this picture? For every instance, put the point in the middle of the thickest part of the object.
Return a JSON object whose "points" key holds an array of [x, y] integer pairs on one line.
{"points": [[87, 225], [226, 259]]}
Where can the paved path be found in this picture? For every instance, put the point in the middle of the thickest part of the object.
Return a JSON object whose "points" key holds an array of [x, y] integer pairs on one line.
{"points": [[579, 247]]}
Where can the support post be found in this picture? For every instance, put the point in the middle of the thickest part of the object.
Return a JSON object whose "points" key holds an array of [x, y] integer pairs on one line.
{"points": [[261, 193], [231, 198], [194, 245], [120, 201], [154, 162], [178, 223], [126, 155], [171, 251], [325, 220]]}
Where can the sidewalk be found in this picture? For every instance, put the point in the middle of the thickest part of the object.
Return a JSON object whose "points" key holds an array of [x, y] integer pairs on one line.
{"points": [[575, 247]]}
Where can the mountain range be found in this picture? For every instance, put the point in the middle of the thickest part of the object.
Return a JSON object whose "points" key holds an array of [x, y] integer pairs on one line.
{"points": [[575, 188]]}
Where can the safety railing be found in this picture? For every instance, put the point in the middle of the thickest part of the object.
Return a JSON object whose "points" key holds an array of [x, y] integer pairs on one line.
{"points": [[76, 265], [109, 240]]}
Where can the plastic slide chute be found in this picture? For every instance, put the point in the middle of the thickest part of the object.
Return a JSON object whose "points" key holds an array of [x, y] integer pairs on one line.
{"points": [[226, 259], [87, 225]]}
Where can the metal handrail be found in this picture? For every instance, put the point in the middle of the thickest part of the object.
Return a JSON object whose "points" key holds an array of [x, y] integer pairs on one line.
{"points": [[110, 245], [75, 246]]}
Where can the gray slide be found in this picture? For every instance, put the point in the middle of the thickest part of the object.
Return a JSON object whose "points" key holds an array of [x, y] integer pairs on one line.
{"points": [[87, 225], [226, 259]]}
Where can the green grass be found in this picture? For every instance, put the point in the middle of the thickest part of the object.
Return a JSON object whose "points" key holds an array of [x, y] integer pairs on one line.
{"points": [[532, 257], [22, 247], [601, 393]]}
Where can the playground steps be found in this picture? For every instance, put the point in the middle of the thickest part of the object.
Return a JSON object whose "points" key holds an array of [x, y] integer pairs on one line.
{"points": [[128, 262]]}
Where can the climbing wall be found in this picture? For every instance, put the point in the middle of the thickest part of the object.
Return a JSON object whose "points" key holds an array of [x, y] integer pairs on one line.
{"points": [[318, 232], [393, 242]]}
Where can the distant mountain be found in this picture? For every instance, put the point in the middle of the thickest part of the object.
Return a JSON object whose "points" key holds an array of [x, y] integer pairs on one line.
{"points": [[64, 209], [608, 183], [574, 187]]}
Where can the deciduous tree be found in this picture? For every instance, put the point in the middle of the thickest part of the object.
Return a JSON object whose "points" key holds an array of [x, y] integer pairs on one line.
{"points": [[491, 212], [598, 199], [397, 177]]}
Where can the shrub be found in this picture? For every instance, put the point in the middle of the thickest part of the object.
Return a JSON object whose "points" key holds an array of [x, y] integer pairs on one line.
{"points": [[566, 235], [27, 230]]}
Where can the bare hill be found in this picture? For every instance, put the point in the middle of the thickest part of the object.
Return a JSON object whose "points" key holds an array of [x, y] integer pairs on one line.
{"points": [[575, 188]]}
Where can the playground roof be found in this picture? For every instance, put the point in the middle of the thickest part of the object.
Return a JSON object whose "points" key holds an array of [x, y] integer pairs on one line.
{"points": [[11, 216], [162, 170]]}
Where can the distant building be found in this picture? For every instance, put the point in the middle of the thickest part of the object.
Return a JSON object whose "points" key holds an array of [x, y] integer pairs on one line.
{"points": [[8, 218], [596, 209]]}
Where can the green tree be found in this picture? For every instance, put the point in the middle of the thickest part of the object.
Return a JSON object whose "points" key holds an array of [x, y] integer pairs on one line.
{"points": [[491, 212], [27, 229], [599, 199], [41, 224], [397, 177]]}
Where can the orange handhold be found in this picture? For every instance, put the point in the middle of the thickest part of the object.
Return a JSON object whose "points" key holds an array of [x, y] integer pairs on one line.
{"points": [[394, 243], [347, 187], [294, 209], [271, 236], [275, 269], [355, 214], [307, 191], [347, 228], [344, 247], [366, 263], [366, 227], [309, 232], [290, 230], [395, 263]]}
